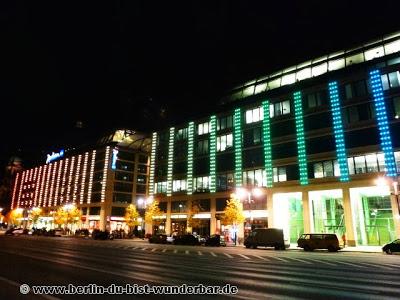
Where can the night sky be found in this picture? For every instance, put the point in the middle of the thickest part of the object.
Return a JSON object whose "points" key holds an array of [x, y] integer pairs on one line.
{"points": [[145, 65]]}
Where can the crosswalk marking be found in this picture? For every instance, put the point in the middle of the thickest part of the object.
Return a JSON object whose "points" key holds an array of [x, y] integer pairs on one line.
{"points": [[376, 265], [228, 255], [176, 251], [186, 251], [164, 250], [300, 260], [261, 257], [144, 248], [244, 256], [350, 264], [278, 258], [154, 249], [213, 254], [133, 248], [199, 253], [322, 262]]}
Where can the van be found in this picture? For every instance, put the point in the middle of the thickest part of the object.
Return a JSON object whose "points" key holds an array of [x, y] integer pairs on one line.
{"points": [[311, 241], [267, 237]]}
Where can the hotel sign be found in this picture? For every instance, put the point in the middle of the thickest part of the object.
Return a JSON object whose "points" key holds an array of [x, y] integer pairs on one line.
{"points": [[54, 156]]}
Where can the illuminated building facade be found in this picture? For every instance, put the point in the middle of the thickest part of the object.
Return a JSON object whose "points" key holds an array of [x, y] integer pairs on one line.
{"points": [[101, 180], [316, 139]]}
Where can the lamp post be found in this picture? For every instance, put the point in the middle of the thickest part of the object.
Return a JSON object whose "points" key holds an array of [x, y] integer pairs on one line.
{"points": [[243, 193]]}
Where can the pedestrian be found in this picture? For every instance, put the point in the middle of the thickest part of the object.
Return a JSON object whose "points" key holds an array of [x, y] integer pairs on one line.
{"points": [[344, 240]]}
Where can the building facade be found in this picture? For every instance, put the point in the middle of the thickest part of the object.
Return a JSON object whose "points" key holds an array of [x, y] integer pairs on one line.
{"points": [[101, 180], [319, 140]]}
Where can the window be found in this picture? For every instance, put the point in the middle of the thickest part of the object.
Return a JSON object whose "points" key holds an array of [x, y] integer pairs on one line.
{"points": [[351, 114], [123, 187], [348, 91], [142, 169], [254, 177], [178, 206], [123, 176], [360, 166], [279, 108], [202, 147], [225, 182], [279, 174], [360, 88], [327, 168], [179, 185], [316, 99], [181, 134], [366, 163], [143, 159], [254, 115], [224, 142], [161, 187], [122, 198], [372, 163], [394, 79], [224, 123], [201, 184], [141, 179], [203, 128]]}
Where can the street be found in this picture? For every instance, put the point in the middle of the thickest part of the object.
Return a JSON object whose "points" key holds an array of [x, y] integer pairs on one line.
{"points": [[258, 273]]}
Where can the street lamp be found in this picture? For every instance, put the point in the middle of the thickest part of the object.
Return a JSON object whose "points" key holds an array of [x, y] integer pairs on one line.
{"points": [[243, 193]]}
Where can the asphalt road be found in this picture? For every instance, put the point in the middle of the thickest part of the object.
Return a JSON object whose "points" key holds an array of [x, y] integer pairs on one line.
{"points": [[258, 274]]}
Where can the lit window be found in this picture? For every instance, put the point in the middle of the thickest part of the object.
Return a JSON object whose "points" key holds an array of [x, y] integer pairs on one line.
{"points": [[254, 115], [394, 79], [203, 128], [279, 108], [224, 142], [392, 47], [374, 53], [179, 185], [279, 174]]}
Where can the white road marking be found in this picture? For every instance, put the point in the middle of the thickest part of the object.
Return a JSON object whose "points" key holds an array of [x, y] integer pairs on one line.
{"points": [[186, 251], [176, 251], [261, 257], [164, 250], [244, 256], [278, 258], [230, 256], [300, 260], [350, 264], [199, 253], [377, 266], [154, 249], [144, 248], [322, 262], [213, 254]]}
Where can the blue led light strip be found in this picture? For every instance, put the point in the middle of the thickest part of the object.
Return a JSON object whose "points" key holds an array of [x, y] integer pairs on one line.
{"points": [[267, 144], [152, 163], [237, 127], [383, 124], [170, 160], [338, 131], [189, 178], [301, 143], [213, 150]]}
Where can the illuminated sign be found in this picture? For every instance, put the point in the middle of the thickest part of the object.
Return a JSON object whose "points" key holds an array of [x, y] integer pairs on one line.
{"points": [[54, 156], [114, 159]]}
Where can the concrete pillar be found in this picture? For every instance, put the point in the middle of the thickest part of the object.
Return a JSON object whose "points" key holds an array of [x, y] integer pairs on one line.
{"points": [[240, 233], [189, 228], [270, 208], [168, 220], [213, 219], [396, 215], [306, 212], [348, 218], [103, 218]]}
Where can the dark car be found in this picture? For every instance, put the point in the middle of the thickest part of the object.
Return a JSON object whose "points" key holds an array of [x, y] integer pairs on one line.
{"points": [[392, 247], [102, 235], [266, 237], [158, 239], [312, 241], [215, 240], [187, 239]]}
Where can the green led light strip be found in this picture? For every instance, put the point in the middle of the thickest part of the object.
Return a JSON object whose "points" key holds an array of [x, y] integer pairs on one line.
{"points": [[267, 144], [237, 125], [189, 183], [301, 144], [213, 150], [152, 163], [170, 160]]}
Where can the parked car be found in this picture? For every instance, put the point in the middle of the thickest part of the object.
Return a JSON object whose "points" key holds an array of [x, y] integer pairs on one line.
{"points": [[312, 241], [102, 235], [170, 239], [158, 239], [82, 232], [392, 247], [267, 237], [186, 239], [15, 231], [215, 240]]}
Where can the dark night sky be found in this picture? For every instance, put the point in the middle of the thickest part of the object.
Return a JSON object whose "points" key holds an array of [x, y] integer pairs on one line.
{"points": [[120, 63]]}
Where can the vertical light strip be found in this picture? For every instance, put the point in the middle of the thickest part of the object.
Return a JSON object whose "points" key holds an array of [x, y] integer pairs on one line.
{"points": [[105, 171], [46, 188], [89, 196], [85, 163], [35, 174], [71, 169], [37, 186], [237, 127], [15, 190], [20, 188], [213, 151], [64, 181], [76, 179], [338, 131], [189, 179], [152, 163], [42, 184], [301, 143], [52, 183], [383, 124], [267, 144], [56, 193], [170, 160]]}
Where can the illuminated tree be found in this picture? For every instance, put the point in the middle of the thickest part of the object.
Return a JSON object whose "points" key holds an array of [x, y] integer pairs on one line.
{"points": [[132, 217], [233, 213], [15, 216], [152, 211], [35, 214], [60, 217], [66, 215]]}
